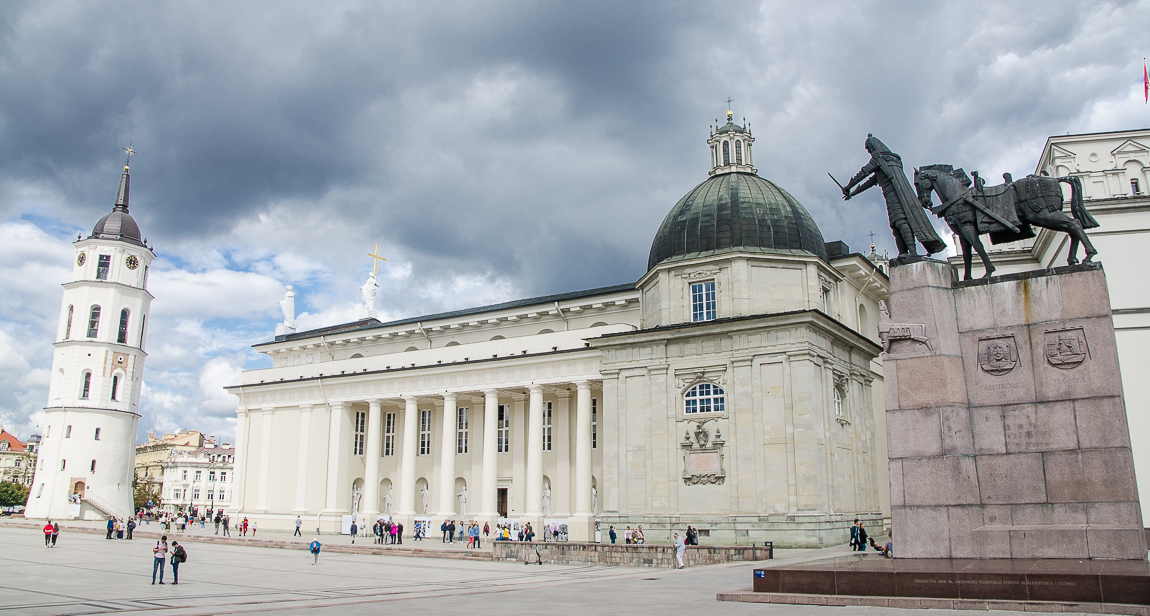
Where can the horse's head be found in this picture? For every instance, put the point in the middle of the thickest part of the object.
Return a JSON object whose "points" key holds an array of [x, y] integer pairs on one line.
{"points": [[923, 184]]}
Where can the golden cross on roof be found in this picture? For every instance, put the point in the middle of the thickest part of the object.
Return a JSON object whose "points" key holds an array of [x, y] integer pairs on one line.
{"points": [[729, 101], [129, 151], [375, 263]]}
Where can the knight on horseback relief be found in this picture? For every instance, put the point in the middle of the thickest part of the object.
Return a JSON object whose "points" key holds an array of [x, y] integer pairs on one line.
{"points": [[1008, 212]]}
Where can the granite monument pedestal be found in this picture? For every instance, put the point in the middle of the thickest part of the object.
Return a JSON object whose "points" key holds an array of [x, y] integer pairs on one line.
{"points": [[1011, 472]]}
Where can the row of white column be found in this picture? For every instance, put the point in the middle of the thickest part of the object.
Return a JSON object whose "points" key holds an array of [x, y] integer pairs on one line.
{"points": [[580, 525]]}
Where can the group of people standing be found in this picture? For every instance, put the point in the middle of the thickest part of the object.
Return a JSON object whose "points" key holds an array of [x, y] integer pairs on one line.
{"points": [[387, 532], [860, 539], [161, 553], [117, 526], [471, 530]]}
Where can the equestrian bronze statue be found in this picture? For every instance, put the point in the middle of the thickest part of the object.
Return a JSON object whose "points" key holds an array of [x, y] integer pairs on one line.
{"points": [[1007, 212], [908, 222]]}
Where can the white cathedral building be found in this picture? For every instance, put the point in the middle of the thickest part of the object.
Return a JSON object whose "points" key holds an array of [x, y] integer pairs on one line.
{"points": [[735, 387], [85, 464]]}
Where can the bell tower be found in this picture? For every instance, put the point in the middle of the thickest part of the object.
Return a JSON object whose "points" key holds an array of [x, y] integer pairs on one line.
{"points": [[87, 454]]}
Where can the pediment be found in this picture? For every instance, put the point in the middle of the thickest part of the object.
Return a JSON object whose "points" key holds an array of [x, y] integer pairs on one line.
{"points": [[1057, 151], [1130, 147]]}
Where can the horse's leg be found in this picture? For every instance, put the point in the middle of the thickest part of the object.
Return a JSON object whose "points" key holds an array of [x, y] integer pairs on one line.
{"points": [[1072, 258], [969, 236], [966, 256]]}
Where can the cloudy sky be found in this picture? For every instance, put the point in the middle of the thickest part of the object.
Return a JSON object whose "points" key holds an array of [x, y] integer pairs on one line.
{"points": [[493, 150]]}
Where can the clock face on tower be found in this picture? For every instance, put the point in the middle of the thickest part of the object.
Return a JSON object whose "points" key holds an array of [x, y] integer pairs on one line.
{"points": [[132, 262], [80, 258]]}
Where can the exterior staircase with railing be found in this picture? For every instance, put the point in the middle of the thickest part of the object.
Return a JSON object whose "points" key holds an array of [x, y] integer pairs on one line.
{"points": [[102, 506]]}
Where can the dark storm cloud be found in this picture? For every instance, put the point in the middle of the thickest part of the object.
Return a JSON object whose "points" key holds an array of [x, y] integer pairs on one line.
{"points": [[541, 142]]}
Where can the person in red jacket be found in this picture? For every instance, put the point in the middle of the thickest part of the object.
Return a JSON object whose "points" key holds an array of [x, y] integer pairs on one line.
{"points": [[48, 528]]}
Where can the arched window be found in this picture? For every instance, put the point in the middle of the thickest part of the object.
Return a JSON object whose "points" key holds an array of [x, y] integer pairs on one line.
{"points": [[122, 334], [838, 402], [85, 385], [68, 432], [93, 466], [864, 322], [94, 322], [68, 327], [738, 152], [115, 385], [704, 398], [63, 464], [497, 338], [545, 331], [97, 434], [726, 153]]}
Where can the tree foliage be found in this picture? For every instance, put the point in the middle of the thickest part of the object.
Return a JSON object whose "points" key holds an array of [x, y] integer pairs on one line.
{"points": [[13, 494], [144, 491]]}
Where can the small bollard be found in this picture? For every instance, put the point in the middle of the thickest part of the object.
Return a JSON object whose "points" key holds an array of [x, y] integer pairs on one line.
{"points": [[770, 545]]}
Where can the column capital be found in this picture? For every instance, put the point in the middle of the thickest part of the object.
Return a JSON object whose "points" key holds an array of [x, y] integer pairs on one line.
{"points": [[450, 397], [305, 407], [241, 412], [268, 409], [491, 393], [410, 399], [581, 385], [535, 389], [375, 403]]}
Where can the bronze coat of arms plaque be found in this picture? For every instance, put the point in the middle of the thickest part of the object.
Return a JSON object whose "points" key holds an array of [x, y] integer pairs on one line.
{"points": [[1066, 348], [997, 356]]}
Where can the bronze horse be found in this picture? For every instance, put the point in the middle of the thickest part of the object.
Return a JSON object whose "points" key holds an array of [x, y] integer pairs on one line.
{"points": [[1006, 212]]}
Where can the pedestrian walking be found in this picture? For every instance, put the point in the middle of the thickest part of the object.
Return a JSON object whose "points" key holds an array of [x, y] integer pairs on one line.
{"points": [[486, 531], [217, 521], [855, 536], [255, 523], [111, 527], [612, 534], [862, 538], [179, 557], [244, 530], [48, 534], [354, 530], [314, 548], [160, 553], [227, 521], [680, 547], [55, 532], [298, 523]]}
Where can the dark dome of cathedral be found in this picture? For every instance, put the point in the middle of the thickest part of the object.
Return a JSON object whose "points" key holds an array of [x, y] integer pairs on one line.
{"points": [[732, 212], [118, 224]]}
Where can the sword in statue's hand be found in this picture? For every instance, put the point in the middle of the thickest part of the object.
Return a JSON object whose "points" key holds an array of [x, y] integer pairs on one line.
{"points": [[846, 193]]}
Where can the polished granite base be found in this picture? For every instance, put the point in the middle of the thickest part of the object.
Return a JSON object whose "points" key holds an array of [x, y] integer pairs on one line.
{"points": [[1092, 581]]}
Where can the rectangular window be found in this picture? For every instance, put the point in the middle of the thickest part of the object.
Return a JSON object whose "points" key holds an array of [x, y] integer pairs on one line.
{"points": [[115, 385], [594, 423], [97, 434], [389, 434], [826, 301], [223, 477], [425, 433], [222, 495], [503, 429], [199, 474], [703, 301], [68, 328], [1135, 189], [196, 494], [210, 494], [103, 266], [360, 431], [87, 386], [93, 466], [183, 475], [546, 426], [211, 475], [68, 432], [461, 430]]}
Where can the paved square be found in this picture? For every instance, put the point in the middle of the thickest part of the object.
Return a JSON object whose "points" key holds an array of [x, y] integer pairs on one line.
{"points": [[86, 574]]}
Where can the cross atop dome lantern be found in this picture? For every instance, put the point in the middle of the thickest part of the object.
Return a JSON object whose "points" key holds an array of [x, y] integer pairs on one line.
{"points": [[731, 148]]}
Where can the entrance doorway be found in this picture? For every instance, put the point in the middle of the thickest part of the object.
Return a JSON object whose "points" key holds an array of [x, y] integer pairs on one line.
{"points": [[502, 506]]}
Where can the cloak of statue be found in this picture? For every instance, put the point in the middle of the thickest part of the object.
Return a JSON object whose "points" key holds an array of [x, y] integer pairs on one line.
{"points": [[905, 204]]}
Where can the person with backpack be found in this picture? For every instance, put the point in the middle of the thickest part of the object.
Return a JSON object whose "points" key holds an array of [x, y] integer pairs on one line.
{"points": [[160, 552], [354, 530], [314, 548], [179, 556]]}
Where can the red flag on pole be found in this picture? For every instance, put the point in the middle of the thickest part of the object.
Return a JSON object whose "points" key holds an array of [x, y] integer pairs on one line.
{"points": [[1145, 83]]}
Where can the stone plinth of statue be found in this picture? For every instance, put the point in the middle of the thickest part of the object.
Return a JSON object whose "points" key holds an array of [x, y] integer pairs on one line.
{"points": [[1006, 426]]}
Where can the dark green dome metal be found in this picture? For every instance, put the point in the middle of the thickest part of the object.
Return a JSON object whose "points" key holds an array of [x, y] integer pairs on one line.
{"points": [[733, 212]]}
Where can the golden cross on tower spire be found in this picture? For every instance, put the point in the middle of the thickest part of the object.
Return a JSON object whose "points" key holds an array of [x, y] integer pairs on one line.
{"points": [[129, 152], [375, 263]]}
